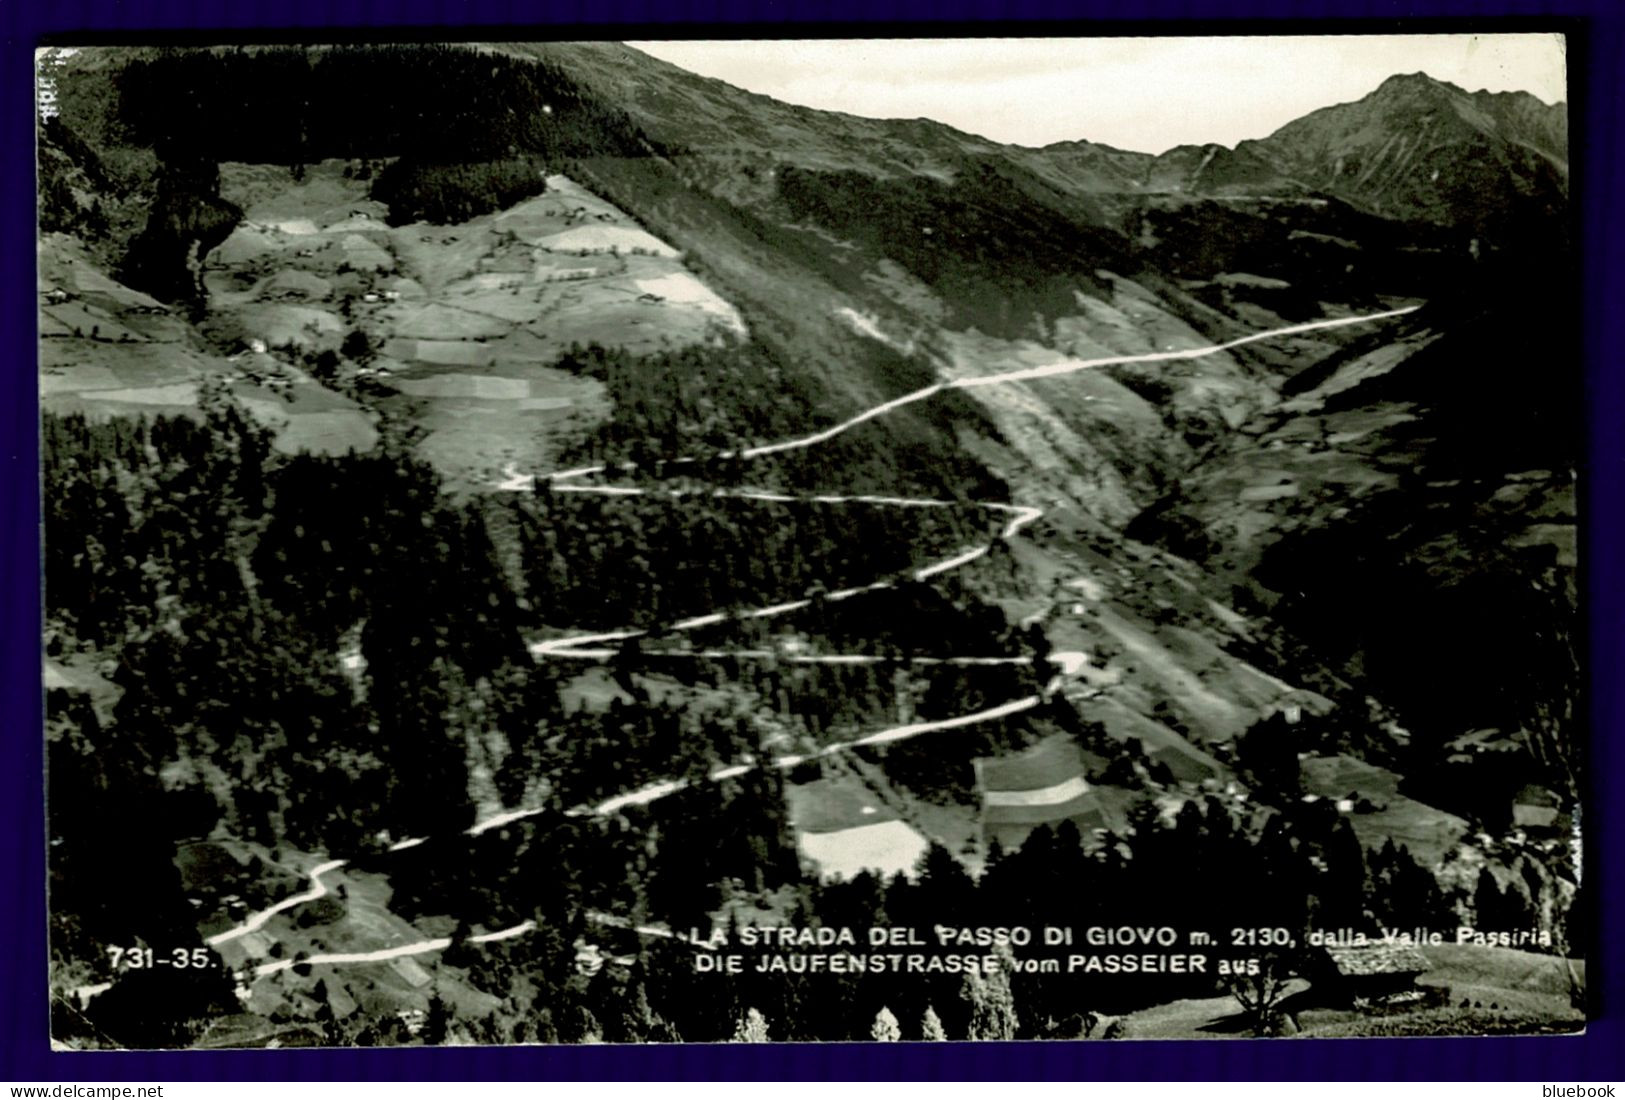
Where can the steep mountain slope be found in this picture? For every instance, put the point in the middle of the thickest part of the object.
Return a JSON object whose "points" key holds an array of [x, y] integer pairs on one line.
{"points": [[1415, 149], [1409, 512], [862, 255], [626, 351], [1421, 149], [1216, 170], [700, 116]]}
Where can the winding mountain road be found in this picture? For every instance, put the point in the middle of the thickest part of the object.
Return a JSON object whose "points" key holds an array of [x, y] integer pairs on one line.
{"points": [[589, 646]]}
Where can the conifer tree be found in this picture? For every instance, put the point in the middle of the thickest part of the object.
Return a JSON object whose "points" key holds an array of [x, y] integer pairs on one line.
{"points": [[992, 1005], [885, 1029], [931, 1029], [437, 1022], [751, 1028]]}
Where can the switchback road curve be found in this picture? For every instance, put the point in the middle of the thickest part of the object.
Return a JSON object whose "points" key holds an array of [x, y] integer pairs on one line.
{"points": [[591, 646]]}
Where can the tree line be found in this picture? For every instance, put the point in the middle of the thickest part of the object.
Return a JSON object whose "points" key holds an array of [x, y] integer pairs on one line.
{"points": [[297, 105], [1207, 868]]}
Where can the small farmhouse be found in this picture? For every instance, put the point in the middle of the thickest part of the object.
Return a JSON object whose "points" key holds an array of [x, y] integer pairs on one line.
{"points": [[1536, 809], [1369, 973]]}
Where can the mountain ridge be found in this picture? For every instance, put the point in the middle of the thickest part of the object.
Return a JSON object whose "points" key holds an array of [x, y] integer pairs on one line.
{"points": [[1313, 154], [467, 393]]}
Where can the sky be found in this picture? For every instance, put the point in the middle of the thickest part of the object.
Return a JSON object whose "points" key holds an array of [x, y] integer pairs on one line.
{"points": [[1145, 94]]}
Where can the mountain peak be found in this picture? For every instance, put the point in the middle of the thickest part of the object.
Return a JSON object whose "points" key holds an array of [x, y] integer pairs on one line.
{"points": [[1418, 78], [1414, 85]]}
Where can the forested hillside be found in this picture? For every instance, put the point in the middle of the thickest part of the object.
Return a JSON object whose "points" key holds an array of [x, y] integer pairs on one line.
{"points": [[524, 523], [431, 112]]}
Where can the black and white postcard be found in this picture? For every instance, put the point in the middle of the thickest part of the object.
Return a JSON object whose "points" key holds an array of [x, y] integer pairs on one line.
{"points": [[899, 540]]}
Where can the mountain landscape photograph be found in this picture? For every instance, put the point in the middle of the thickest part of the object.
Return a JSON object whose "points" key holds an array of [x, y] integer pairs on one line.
{"points": [[795, 541]]}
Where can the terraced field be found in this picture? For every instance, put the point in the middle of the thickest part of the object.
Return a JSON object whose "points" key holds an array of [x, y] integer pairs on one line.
{"points": [[460, 324], [452, 328]]}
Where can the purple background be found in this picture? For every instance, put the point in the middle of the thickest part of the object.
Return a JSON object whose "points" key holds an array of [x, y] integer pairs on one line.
{"points": [[1596, 27]]}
